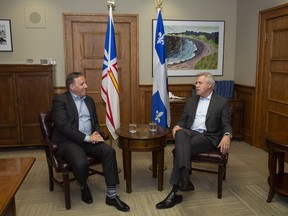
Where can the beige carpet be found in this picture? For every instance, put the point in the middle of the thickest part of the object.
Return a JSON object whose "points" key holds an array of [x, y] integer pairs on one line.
{"points": [[244, 191]]}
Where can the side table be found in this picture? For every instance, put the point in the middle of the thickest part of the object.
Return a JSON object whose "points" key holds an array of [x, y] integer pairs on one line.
{"points": [[142, 141], [277, 143]]}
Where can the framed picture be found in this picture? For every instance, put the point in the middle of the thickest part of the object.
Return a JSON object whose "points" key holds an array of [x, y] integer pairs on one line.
{"points": [[193, 46], [5, 36]]}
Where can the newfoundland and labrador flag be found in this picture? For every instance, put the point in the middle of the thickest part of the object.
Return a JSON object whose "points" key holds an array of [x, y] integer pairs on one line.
{"points": [[109, 87], [160, 98]]}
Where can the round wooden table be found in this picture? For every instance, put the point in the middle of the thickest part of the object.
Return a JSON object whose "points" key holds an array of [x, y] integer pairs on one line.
{"points": [[277, 143], [143, 141]]}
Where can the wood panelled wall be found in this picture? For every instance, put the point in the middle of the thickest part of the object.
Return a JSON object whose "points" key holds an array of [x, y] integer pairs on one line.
{"points": [[247, 94]]}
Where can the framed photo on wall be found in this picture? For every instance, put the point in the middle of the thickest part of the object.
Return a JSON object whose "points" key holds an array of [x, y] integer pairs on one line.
{"points": [[5, 36], [193, 46]]}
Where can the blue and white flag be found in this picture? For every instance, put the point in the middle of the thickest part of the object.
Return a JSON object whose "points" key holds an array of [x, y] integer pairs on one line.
{"points": [[160, 98], [110, 85]]}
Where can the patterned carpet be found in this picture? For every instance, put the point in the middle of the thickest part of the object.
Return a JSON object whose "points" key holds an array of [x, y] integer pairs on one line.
{"points": [[244, 191]]}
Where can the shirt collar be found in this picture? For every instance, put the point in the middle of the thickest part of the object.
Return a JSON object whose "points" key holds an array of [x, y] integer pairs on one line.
{"points": [[207, 98], [75, 97]]}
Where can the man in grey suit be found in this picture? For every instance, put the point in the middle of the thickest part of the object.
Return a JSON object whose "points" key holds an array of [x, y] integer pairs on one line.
{"points": [[205, 124], [77, 133]]}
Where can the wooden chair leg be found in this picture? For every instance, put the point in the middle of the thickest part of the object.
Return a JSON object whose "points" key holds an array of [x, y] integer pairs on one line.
{"points": [[224, 175], [66, 185], [220, 180], [51, 176]]}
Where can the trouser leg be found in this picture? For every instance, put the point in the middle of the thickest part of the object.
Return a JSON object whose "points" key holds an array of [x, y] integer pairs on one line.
{"points": [[107, 155], [75, 156], [187, 143]]}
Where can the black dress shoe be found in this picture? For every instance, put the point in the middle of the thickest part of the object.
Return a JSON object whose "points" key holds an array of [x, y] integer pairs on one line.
{"points": [[116, 202], [86, 195], [186, 185], [171, 200]]}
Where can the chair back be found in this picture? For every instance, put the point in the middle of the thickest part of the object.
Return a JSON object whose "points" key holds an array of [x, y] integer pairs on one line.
{"points": [[46, 125], [225, 88], [47, 128]]}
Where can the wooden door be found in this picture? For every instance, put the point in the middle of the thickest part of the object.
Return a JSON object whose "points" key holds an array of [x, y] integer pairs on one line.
{"points": [[272, 73], [84, 40]]}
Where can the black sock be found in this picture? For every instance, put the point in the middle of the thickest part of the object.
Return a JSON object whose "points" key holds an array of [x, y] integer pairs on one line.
{"points": [[84, 186], [175, 188]]}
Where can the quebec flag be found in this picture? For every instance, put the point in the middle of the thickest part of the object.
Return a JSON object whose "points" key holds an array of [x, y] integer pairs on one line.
{"points": [[160, 98]]}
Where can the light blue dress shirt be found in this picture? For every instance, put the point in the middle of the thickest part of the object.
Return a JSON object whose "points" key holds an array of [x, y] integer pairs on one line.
{"points": [[201, 113], [84, 116]]}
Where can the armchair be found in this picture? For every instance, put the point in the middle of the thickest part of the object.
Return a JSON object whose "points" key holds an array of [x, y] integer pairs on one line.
{"points": [[56, 164]]}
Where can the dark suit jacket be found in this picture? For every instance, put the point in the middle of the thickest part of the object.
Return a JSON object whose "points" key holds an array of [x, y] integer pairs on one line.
{"points": [[218, 119], [65, 117]]}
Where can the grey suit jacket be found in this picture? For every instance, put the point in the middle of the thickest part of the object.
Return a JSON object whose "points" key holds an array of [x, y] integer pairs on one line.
{"points": [[66, 121], [218, 118]]}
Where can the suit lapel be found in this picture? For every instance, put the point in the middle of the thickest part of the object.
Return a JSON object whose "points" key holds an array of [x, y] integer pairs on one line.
{"points": [[72, 104], [194, 108], [88, 104], [89, 107], [212, 105]]}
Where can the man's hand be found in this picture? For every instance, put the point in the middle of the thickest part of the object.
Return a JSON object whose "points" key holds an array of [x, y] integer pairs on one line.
{"points": [[95, 138], [175, 129], [224, 144]]}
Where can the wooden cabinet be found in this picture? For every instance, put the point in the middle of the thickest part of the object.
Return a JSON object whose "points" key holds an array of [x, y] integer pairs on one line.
{"points": [[25, 90]]}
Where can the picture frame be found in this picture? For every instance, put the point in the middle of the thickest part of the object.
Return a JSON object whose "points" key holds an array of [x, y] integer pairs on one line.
{"points": [[5, 36], [193, 46]]}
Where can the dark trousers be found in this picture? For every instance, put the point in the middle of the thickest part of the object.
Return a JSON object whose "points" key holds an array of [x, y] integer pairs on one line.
{"points": [[187, 143], [75, 155]]}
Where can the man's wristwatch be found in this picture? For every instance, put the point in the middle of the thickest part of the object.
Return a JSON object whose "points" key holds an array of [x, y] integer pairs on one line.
{"points": [[228, 134]]}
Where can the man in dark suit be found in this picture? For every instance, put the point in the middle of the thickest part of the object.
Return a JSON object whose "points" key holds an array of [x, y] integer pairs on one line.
{"points": [[205, 124], [77, 134]]}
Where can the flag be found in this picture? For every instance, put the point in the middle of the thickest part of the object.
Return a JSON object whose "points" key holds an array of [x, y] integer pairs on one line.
{"points": [[160, 98], [109, 87]]}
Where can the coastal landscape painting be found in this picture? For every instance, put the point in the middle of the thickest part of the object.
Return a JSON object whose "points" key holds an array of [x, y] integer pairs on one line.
{"points": [[193, 47]]}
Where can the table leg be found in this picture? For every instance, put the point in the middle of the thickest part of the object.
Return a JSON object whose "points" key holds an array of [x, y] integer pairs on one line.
{"points": [[272, 163], [124, 168], [154, 164], [160, 159], [281, 160], [127, 170]]}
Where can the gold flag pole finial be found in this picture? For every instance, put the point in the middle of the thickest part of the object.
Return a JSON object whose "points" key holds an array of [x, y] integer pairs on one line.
{"points": [[111, 3], [158, 4]]}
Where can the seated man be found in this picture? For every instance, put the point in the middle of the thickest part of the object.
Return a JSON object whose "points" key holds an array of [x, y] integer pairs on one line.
{"points": [[204, 125], [77, 134]]}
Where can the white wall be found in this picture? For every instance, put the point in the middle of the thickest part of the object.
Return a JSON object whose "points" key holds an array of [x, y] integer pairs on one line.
{"points": [[239, 51], [48, 42], [246, 38]]}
